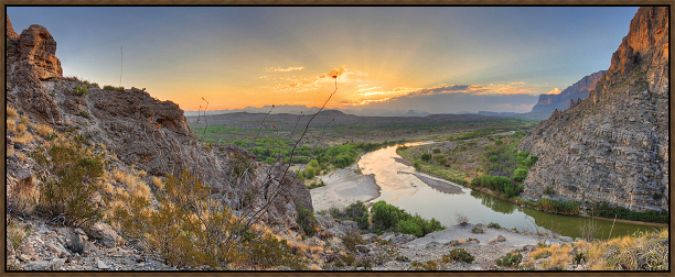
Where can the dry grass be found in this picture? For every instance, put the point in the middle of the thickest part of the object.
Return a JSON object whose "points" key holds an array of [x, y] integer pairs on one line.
{"points": [[43, 130], [642, 251], [157, 182], [21, 128], [11, 112], [16, 234], [23, 196], [11, 125], [135, 186], [23, 138]]}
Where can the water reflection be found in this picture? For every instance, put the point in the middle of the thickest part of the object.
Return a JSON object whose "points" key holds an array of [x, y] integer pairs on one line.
{"points": [[496, 204], [400, 187]]}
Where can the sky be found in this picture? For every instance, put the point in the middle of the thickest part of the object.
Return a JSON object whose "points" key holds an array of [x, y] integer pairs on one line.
{"points": [[433, 59]]}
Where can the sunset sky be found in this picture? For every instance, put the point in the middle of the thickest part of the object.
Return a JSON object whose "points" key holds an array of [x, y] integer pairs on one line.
{"points": [[500, 58]]}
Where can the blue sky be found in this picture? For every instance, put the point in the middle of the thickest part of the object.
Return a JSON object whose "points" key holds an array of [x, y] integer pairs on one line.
{"points": [[254, 56]]}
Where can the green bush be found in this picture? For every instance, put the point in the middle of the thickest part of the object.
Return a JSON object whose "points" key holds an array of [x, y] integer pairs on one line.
{"points": [[498, 183], [549, 190], [494, 225], [519, 174], [390, 218], [409, 226], [426, 157], [306, 220], [567, 207], [358, 212], [309, 172], [113, 88], [604, 209], [511, 259], [460, 255], [81, 90], [75, 182]]}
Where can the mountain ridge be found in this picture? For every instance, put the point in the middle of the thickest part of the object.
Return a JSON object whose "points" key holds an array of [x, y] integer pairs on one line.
{"points": [[613, 146]]}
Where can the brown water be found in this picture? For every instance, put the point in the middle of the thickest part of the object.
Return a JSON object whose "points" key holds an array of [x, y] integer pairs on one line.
{"points": [[404, 190]]}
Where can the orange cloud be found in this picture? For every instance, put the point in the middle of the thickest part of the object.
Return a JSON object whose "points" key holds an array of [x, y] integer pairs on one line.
{"points": [[284, 69], [553, 91]]}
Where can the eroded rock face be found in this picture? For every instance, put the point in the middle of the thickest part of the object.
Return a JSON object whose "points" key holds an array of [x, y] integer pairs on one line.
{"points": [[30, 58], [613, 146], [36, 49]]}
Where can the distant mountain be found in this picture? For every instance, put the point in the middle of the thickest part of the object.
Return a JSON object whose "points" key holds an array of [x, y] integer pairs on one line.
{"points": [[277, 109], [550, 102]]}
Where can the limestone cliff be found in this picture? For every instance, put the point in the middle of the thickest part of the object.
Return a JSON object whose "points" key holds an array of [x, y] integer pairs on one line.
{"points": [[550, 102], [613, 146]]}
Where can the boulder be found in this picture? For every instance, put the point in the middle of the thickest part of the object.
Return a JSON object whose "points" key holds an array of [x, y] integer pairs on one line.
{"points": [[104, 234]]}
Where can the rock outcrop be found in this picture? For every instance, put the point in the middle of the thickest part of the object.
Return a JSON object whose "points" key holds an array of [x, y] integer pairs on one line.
{"points": [[613, 146], [139, 130], [550, 102]]}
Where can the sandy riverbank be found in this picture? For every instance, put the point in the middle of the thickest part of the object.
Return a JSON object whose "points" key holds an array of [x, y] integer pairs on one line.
{"points": [[343, 187]]}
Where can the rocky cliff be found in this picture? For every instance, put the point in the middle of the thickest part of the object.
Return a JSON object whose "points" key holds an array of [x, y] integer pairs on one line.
{"points": [[550, 102], [613, 146], [138, 130]]}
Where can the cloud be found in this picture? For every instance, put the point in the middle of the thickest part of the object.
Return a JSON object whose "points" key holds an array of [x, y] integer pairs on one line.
{"points": [[489, 89], [456, 102], [553, 91], [284, 69]]}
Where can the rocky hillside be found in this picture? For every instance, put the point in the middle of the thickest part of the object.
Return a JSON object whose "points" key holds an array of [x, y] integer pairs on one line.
{"points": [[138, 137], [571, 95], [613, 146]]}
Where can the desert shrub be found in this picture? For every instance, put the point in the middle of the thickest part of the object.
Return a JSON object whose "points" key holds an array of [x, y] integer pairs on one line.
{"points": [[241, 165], [549, 190], [316, 184], [477, 229], [113, 88], [189, 228], [426, 266], [23, 196], [267, 251], [460, 255], [351, 240], [387, 217], [519, 174], [498, 183], [81, 90], [75, 182], [409, 226], [306, 220], [309, 172], [16, 234], [494, 225], [604, 209], [511, 259], [567, 207], [426, 157], [357, 212]]}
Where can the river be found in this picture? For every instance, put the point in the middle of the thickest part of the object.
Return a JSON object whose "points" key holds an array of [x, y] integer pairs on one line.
{"points": [[400, 186]]}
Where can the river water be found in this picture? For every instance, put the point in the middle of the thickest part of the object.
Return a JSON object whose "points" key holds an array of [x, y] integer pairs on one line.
{"points": [[405, 190]]}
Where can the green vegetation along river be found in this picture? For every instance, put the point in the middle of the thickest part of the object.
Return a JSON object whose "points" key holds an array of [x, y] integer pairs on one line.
{"points": [[401, 186]]}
